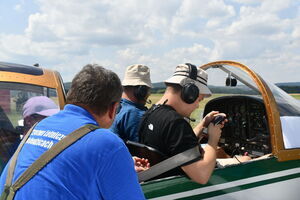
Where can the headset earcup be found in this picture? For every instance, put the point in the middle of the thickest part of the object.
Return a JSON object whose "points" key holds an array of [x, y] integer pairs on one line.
{"points": [[141, 92], [189, 93]]}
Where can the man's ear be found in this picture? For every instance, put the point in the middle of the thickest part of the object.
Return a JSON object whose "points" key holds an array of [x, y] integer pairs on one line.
{"points": [[112, 110]]}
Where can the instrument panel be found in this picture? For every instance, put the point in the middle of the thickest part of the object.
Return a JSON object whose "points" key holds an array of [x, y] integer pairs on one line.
{"points": [[247, 128]]}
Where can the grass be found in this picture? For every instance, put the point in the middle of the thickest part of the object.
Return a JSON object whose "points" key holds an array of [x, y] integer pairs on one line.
{"points": [[296, 96]]}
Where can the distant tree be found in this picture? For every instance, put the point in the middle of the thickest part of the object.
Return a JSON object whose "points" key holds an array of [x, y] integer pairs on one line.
{"points": [[290, 89]]}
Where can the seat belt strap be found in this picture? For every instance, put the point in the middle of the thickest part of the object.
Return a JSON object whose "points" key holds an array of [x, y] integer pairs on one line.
{"points": [[170, 163], [46, 157]]}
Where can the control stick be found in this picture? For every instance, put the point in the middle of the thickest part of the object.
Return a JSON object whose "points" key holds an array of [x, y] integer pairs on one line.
{"points": [[218, 119]]}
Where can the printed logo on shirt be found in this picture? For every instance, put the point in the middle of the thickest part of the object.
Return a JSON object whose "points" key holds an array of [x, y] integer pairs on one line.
{"points": [[150, 127], [45, 138]]}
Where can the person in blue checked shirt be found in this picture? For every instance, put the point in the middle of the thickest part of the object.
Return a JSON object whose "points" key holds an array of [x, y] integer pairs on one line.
{"points": [[97, 166], [136, 85]]}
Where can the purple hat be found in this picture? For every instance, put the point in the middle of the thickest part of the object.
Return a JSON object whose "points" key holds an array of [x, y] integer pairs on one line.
{"points": [[41, 105]]}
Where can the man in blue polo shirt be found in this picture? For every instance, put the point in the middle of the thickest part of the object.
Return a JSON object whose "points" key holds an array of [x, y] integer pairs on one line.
{"points": [[97, 166], [136, 85]]}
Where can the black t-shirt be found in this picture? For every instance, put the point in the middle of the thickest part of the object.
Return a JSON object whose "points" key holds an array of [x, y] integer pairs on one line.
{"points": [[165, 130]]}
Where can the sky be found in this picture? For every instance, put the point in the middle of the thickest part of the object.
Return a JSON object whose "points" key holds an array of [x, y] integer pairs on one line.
{"points": [[66, 35]]}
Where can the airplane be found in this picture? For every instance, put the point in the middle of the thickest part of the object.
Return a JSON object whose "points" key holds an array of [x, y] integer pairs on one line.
{"points": [[17, 84], [265, 125]]}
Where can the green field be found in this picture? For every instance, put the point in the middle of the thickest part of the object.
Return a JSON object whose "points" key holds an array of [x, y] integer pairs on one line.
{"points": [[296, 96]]}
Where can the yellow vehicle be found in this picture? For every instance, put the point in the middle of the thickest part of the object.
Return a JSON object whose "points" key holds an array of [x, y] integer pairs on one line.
{"points": [[17, 84]]}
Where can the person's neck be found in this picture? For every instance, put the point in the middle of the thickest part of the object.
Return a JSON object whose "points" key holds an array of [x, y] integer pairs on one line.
{"points": [[132, 98], [173, 100], [129, 97], [102, 120]]}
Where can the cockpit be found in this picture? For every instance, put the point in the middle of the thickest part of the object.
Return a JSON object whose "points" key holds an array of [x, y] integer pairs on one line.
{"points": [[247, 130], [262, 118]]}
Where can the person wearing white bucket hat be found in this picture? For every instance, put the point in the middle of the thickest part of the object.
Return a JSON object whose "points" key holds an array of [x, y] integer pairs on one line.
{"points": [[136, 90], [165, 126]]}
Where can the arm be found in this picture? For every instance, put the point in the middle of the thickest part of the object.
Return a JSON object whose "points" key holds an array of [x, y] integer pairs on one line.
{"points": [[201, 170], [204, 123]]}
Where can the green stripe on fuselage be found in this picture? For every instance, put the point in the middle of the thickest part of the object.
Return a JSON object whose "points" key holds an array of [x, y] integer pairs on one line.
{"points": [[154, 189], [239, 188]]}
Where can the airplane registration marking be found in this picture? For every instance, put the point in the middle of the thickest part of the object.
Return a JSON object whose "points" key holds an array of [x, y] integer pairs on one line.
{"points": [[230, 184]]}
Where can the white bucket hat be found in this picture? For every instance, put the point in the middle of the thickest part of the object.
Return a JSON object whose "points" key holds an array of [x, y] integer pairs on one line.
{"points": [[137, 75], [181, 77]]}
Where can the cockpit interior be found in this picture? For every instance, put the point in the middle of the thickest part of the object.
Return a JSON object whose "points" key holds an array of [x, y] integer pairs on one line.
{"points": [[246, 132]]}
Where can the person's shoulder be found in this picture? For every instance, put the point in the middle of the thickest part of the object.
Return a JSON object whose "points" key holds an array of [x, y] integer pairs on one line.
{"points": [[131, 112], [169, 113], [125, 108], [103, 136], [104, 140], [164, 115]]}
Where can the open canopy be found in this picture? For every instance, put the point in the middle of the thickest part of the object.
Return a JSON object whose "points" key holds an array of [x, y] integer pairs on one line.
{"points": [[283, 111]]}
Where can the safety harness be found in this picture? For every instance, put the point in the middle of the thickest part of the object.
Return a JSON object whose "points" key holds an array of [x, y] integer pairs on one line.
{"points": [[170, 163], [11, 189]]}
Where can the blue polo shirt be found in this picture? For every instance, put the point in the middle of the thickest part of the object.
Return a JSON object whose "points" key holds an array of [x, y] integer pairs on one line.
{"points": [[127, 121], [98, 166]]}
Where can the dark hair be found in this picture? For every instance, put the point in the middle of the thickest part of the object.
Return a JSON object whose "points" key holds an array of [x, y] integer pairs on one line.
{"points": [[176, 87], [139, 91], [129, 87], [134, 87], [95, 87]]}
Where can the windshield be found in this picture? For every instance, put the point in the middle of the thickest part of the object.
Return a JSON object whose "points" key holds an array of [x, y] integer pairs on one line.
{"points": [[13, 98], [218, 78], [287, 105]]}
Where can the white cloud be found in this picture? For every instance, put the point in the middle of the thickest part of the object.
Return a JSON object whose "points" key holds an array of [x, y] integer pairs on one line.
{"points": [[65, 35], [296, 32], [39, 30], [196, 53], [93, 22], [255, 32], [247, 1], [19, 7], [274, 6], [194, 16]]}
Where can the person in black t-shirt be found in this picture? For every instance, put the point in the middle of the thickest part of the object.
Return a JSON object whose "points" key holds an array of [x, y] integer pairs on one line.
{"points": [[166, 128]]}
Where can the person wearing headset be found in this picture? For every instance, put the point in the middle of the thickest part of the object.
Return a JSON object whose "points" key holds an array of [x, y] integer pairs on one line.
{"points": [[136, 90], [165, 126]]}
